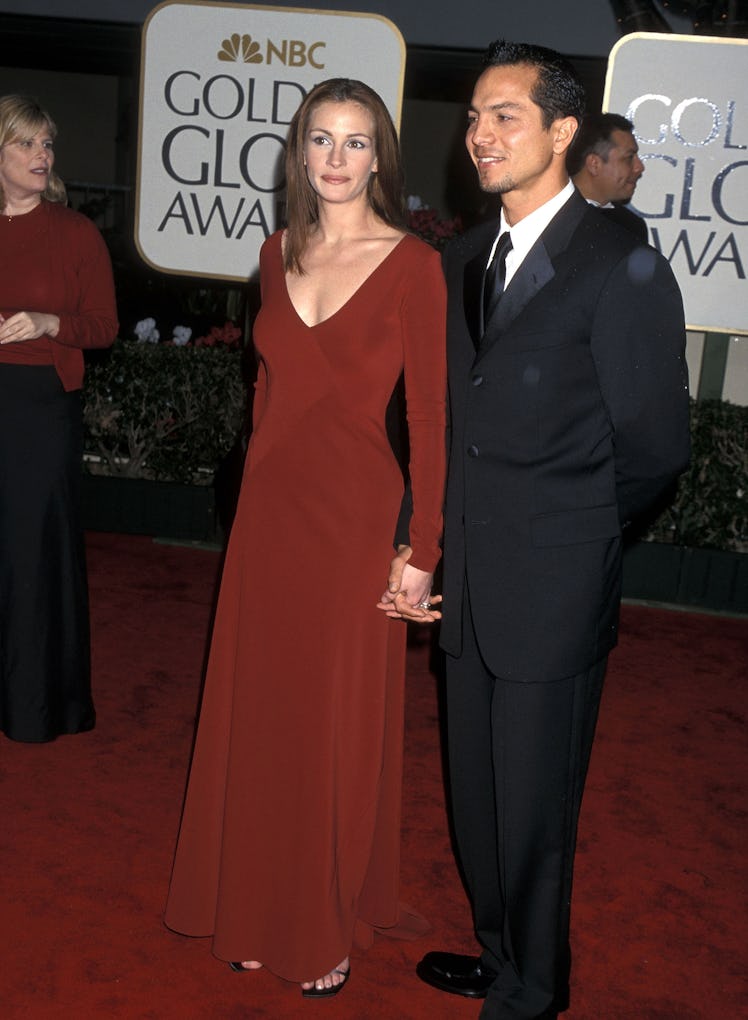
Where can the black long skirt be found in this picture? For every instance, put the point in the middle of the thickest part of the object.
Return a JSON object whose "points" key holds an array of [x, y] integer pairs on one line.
{"points": [[45, 677]]}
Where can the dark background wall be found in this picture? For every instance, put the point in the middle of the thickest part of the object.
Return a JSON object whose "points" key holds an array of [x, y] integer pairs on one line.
{"points": [[582, 27], [81, 59]]}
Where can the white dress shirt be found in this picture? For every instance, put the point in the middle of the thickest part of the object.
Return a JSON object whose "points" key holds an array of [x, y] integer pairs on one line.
{"points": [[525, 233]]}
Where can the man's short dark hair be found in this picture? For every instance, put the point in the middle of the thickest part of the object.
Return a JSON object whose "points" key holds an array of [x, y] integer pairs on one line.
{"points": [[595, 135], [558, 91]]}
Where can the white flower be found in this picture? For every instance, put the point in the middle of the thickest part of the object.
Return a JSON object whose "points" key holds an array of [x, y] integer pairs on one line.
{"points": [[146, 331], [415, 202], [181, 335]]}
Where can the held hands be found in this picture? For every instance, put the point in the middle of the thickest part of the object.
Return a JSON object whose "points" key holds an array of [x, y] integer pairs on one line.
{"points": [[28, 326], [409, 591]]}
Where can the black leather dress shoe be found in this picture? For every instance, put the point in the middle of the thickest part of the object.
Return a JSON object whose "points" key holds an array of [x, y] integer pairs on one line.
{"points": [[461, 975]]}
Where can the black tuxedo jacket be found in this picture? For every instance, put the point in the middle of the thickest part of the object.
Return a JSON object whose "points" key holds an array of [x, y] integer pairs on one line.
{"points": [[626, 218], [569, 417]]}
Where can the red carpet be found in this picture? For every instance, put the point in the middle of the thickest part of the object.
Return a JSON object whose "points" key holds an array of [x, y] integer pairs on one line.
{"points": [[89, 824]]}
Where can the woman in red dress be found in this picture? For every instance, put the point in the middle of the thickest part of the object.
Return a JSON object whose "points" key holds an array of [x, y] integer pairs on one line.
{"points": [[56, 298], [288, 852]]}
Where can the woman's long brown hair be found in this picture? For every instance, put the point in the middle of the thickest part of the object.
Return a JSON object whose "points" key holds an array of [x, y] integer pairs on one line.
{"points": [[385, 187]]}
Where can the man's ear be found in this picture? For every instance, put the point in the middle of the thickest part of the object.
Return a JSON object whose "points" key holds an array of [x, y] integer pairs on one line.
{"points": [[592, 164], [564, 130]]}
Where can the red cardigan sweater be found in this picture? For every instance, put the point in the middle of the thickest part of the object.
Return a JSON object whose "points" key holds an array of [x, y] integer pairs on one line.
{"points": [[54, 260]]}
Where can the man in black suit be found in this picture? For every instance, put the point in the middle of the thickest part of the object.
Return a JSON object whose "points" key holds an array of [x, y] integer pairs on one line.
{"points": [[603, 161], [569, 418]]}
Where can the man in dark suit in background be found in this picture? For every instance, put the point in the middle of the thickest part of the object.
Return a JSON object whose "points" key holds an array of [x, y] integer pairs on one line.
{"points": [[603, 161], [569, 418]]}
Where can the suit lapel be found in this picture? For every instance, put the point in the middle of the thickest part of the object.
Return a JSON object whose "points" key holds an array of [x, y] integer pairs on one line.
{"points": [[535, 272], [472, 281]]}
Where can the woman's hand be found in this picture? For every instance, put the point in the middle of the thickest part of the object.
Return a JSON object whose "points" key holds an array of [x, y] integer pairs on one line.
{"points": [[408, 595], [28, 326]]}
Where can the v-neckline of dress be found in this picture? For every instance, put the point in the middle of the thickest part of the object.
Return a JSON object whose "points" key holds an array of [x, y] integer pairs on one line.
{"points": [[345, 304]]}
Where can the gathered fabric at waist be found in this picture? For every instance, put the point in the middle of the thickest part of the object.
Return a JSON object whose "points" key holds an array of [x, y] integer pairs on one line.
{"points": [[28, 352]]}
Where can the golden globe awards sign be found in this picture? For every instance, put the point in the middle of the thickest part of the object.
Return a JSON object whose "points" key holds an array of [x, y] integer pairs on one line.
{"points": [[219, 86], [687, 97]]}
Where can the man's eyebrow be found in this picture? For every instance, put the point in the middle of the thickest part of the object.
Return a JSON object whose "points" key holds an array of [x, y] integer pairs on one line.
{"points": [[505, 105]]}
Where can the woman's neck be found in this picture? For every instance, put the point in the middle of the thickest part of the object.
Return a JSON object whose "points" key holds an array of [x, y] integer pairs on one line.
{"points": [[20, 206], [346, 222]]}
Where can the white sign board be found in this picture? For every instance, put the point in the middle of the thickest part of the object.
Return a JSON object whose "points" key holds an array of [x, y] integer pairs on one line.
{"points": [[687, 97], [219, 86]]}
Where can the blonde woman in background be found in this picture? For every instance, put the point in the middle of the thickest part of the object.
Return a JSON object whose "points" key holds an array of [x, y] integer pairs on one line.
{"points": [[56, 298]]}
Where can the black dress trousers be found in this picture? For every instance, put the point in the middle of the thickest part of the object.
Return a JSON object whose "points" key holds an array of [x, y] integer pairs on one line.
{"points": [[518, 755]]}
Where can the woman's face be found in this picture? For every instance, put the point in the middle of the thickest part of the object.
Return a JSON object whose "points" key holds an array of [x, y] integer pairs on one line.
{"points": [[25, 165], [339, 151]]}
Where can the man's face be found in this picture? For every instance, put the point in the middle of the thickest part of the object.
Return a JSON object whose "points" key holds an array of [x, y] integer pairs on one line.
{"points": [[509, 146], [618, 175]]}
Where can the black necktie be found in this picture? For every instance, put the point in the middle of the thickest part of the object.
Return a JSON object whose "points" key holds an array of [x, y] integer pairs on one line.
{"points": [[493, 280]]}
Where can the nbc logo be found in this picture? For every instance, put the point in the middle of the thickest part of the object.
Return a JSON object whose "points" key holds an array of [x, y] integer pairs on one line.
{"points": [[242, 48]]}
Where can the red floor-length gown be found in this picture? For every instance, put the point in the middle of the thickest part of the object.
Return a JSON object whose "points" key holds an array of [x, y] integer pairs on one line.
{"points": [[288, 851]]}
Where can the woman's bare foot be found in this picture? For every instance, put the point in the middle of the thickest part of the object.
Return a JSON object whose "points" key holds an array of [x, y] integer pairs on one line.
{"points": [[330, 984], [246, 965]]}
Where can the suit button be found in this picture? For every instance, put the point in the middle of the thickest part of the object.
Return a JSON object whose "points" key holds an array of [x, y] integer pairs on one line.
{"points": [[477, 380], [473, 451]]}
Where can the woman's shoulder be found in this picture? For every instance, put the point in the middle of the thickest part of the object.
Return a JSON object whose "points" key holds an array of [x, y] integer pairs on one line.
{"points": [[414, 267], [62, 212], [273, 240], [417, 256], [416, 248], [67, 218], [272, 245]]}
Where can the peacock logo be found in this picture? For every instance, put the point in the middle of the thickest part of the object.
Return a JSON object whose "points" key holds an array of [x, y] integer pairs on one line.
{"points": [[242, 48]]}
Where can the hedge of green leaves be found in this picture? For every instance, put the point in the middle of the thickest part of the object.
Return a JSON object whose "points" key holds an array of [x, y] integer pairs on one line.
{"points": [[172, 413], [710, 509], [163, 412]]}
